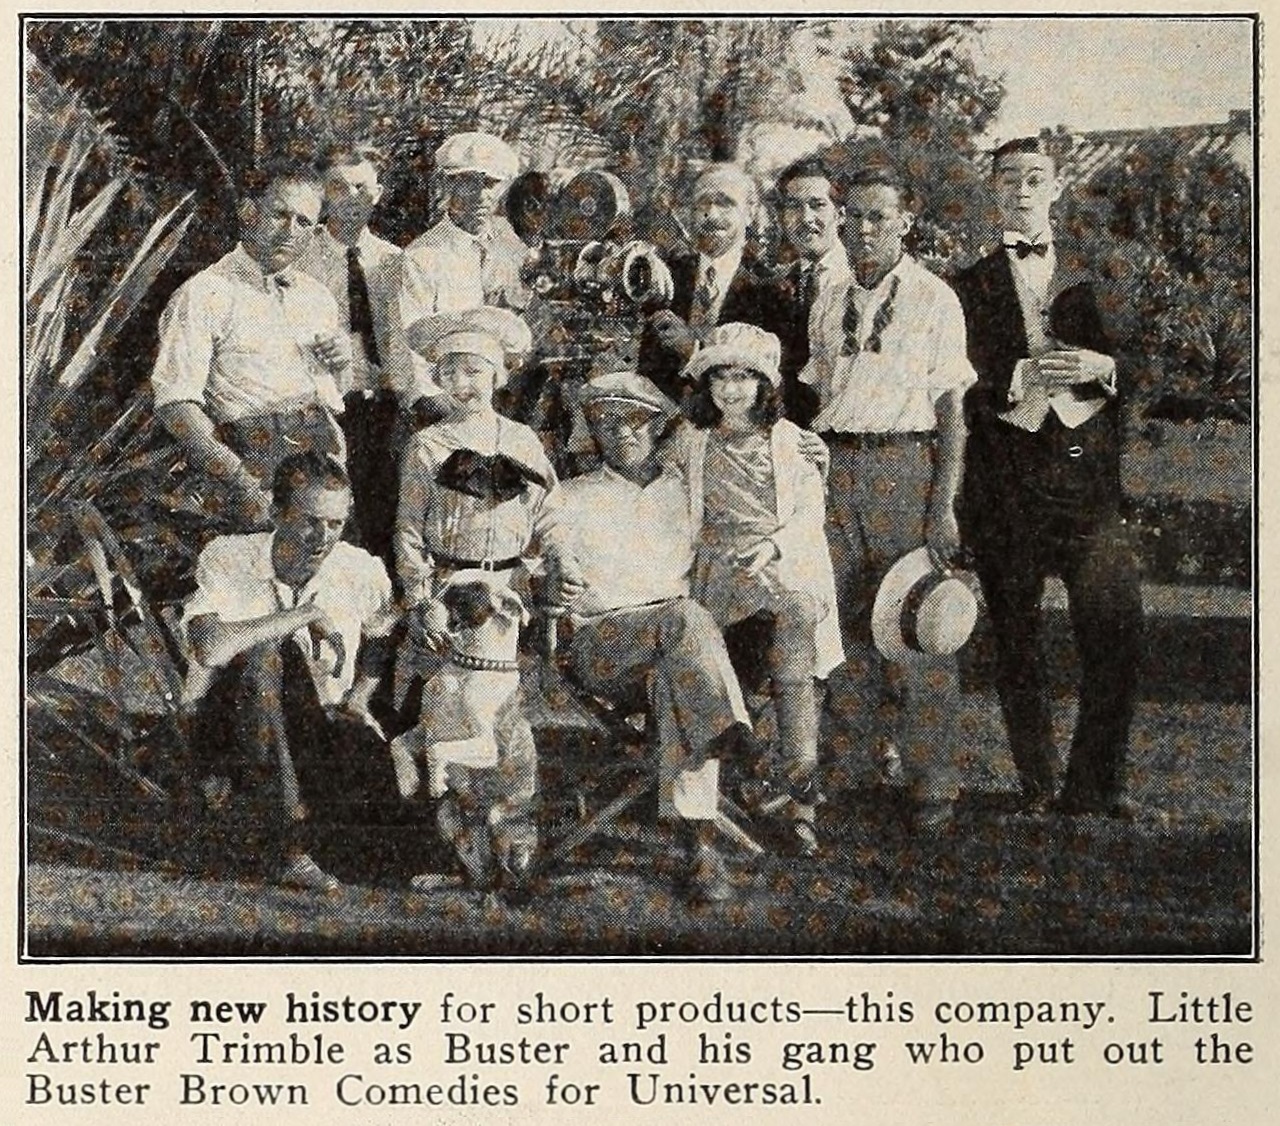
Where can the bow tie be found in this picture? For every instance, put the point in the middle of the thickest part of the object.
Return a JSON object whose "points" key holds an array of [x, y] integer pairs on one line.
{"points": [[1022, 248], [495, 477]]}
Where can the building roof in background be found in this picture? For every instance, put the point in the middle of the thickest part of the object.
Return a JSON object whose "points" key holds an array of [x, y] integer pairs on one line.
{"points": [[1096, 149]]}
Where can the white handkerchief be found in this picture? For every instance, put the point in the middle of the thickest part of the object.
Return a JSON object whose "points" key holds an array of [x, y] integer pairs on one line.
{"points": [[1027, 393]]}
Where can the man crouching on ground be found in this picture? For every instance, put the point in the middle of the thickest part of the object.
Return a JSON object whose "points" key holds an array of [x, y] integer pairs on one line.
{"points": [[620, 552], [288, 633]]}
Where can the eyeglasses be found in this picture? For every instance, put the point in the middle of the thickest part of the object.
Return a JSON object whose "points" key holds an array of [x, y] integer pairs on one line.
{"points": [[636, 419]]}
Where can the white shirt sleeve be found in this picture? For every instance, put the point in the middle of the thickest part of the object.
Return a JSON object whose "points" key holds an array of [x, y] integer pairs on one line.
{"points": [[949, 368], [414, 295], [220, 583], [188, 341]]}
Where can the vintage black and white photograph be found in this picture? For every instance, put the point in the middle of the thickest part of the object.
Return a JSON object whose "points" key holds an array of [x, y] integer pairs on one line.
{"points": [[500, 487]]}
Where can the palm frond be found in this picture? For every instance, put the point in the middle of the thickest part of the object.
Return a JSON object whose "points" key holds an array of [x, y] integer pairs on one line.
{"points": [[143, 269]]}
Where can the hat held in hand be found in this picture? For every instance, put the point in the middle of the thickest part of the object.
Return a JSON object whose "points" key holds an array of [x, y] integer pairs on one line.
{"points": [[921, 611]]}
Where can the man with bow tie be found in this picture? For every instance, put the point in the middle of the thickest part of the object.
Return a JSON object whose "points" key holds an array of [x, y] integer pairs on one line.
{"points": [[716, 284], [809, 215], [358, 268], [252, 356], [1042, 489], [887, 358]]}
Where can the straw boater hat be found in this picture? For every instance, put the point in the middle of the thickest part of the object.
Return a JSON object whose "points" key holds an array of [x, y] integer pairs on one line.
{"points": [[921, 611], [739, 346], [486, 331], [477, 152]]}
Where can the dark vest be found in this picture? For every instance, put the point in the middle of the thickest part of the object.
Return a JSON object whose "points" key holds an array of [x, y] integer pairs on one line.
{"points": [[1011, 475]]}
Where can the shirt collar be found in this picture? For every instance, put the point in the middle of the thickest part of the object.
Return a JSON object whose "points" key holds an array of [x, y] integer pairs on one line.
{"points": [[726, 265], [608, 473], [331, 244], [832, 267], [265, 570], [248, 269], [457, 232], [883, 284], [834, 264]]}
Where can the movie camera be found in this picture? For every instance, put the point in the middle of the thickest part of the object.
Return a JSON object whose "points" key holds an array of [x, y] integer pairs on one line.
{"points": [[595, 281]]}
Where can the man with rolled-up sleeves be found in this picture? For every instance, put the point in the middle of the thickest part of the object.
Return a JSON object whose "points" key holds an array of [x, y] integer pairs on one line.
{"points": [[253, 357], [888, 360]]}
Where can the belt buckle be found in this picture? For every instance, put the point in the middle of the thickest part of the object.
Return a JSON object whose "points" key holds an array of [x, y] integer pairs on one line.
{"points": [[486, 565], [1075, 451]]}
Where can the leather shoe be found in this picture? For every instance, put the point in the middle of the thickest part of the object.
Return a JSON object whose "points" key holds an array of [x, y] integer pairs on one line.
{"points": [[1120, 808], [707, 878], [305, 874], [888, 762], [934, 818]]}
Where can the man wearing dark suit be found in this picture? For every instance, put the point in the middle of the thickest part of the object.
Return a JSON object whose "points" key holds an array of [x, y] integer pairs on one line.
{"points": [[809, 214], [1041, 492], [716, 284]]}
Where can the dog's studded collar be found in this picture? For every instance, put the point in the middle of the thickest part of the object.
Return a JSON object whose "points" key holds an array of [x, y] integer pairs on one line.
{"points": [[482, 664]]}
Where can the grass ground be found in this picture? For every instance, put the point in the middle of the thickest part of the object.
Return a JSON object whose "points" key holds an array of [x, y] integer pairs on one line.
{"points": [[991, 884]]}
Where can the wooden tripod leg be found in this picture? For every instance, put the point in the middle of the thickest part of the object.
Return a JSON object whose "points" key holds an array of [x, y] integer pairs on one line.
{"points": [[737, 834], [609, 814]]}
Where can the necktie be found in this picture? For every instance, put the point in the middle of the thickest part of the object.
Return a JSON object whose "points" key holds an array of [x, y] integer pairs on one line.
{"points": [[704, 299], [361, 311], [807, 290], [1022, 248]]}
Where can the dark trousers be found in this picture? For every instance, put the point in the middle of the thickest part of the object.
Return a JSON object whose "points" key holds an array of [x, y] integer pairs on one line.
{"points": [[1095, 560], [369, 426], [261, 724]]}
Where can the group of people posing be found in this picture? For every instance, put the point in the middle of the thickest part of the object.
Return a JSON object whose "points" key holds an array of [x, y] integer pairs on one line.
{"points": [[783, 486]]}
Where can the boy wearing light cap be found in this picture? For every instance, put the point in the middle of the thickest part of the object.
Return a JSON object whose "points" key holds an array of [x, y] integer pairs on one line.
{"points": [[471, 487], [471, 257]]}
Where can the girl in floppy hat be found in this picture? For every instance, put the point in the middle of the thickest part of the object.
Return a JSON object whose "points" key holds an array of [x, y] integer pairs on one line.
{"points": [[762, 566]]}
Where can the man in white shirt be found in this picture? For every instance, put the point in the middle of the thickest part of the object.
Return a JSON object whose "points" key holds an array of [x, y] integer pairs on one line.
{"points": [[252, 354], [620, 551], [470, 258], [360, 270], [288, 633], [888, 359]]}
